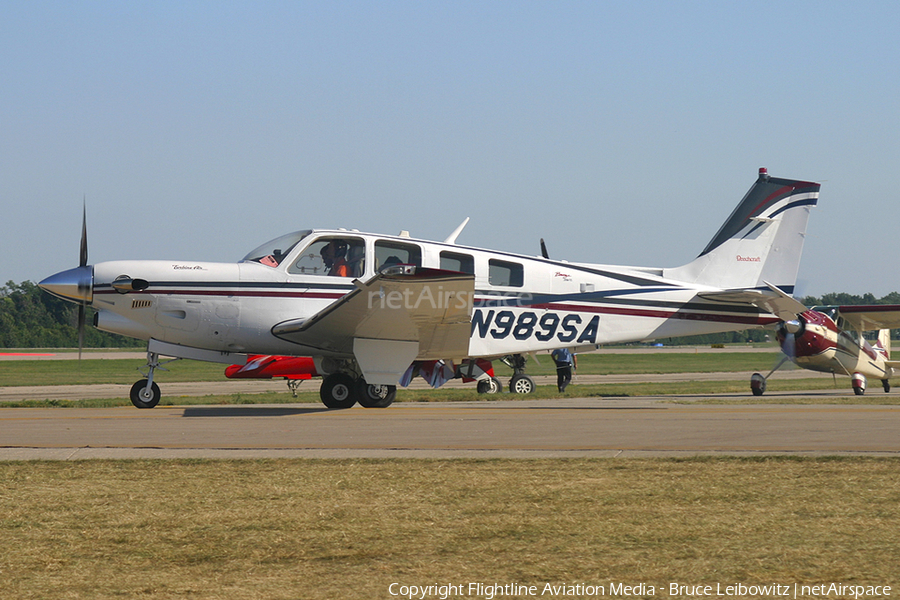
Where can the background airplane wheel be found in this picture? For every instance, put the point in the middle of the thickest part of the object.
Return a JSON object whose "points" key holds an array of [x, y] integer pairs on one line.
{"points": [[758, 384], [375, 396], [338, 391], [489, 386], [141, 397], [858, 381], [521, 384]]}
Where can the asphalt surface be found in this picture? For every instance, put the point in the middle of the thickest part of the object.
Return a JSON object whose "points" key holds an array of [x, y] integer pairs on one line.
{"points": [[497, 428]]}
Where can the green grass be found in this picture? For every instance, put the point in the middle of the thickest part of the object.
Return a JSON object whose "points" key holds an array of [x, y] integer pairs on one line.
{"points": [[123, 371], [321, 529]]}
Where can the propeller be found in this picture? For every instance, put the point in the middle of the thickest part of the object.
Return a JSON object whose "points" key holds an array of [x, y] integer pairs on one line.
{"points": [[544, 252], [82, 262]]}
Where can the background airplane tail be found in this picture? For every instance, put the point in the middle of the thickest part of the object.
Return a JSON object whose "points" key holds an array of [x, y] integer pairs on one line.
{"points": [[760, 242]]}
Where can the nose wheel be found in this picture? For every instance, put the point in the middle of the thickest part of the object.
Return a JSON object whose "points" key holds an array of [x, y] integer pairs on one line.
{"points": [[145, 394]]}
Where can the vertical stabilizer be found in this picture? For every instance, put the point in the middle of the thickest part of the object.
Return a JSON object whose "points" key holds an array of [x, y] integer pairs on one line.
{"points": [[883, 344], [761, 241]]}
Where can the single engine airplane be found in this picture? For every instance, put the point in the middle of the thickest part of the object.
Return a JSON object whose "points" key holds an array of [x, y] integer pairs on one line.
{"points": [[830, 339], [366, 307]]}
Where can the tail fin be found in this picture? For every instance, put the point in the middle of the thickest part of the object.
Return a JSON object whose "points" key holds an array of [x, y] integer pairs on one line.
{"points": [[761, 241], [883, 343]]}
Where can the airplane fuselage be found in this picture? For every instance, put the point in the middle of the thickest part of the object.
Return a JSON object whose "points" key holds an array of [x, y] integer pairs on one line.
{"points": [[521, 304]]}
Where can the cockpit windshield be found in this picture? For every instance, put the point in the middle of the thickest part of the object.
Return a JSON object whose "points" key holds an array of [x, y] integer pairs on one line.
{"points": [[273, 252]]}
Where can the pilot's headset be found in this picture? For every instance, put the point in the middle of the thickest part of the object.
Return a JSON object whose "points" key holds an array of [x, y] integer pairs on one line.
{"points": [[340, 248]]}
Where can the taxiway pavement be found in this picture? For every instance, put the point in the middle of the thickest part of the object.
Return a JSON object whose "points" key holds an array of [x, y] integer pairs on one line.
{"points": [[576, 427]]}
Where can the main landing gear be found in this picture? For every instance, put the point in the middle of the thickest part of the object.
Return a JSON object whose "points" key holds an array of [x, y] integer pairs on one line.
{"points": [[520, 382], [857, 381], [342, 390]]}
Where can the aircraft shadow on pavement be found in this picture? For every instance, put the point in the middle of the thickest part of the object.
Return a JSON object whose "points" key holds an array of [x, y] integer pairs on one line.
{"points": [[251, 411]]}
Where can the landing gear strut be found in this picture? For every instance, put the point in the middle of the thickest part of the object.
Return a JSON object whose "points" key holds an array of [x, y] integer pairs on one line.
{"points": [[145, 393]]}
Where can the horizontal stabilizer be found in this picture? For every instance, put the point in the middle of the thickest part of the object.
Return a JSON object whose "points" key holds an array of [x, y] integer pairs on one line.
{"points": [[773, 300]]}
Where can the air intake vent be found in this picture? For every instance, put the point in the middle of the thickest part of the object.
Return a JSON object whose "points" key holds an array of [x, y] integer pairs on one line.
{"points": [[141, 303]]}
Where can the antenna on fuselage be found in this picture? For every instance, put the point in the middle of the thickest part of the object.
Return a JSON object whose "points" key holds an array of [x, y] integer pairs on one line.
{"points": [[544, 252], [451, 239]]}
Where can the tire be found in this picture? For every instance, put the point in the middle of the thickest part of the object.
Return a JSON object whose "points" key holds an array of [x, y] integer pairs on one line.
{"points": [[141, 397], [375, 396], [521, 384], [758, 384], [338, 391], [489, 386]]}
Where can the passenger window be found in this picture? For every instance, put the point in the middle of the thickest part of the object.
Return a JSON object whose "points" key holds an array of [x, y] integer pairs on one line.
{"points": [[335, 256], [396, 253], [505, 273], [450, 261]]}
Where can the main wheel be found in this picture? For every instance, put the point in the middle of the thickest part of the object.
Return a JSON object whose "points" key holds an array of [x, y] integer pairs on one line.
{"points": [[858, 381], [489, 386], [758, 384], [521, 384], [375, 396], [338, 391], [141, 397]]}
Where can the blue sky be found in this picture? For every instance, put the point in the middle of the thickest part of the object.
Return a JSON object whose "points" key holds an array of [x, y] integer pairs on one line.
{"points": [[621, 132]]}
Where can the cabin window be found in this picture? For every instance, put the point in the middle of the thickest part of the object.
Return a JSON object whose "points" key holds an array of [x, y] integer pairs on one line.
{"points": [[505, 273], [336, 256], [396, 253], [451, 261]]}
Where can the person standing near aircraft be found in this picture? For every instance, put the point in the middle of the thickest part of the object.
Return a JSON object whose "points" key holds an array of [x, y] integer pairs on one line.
{"points": [[565, 362]]}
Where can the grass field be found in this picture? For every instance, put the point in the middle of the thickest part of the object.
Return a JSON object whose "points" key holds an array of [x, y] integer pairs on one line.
{"points": [[348, 529]]}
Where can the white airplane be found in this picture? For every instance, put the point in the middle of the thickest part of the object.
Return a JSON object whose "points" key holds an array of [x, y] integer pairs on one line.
{"points": [[367, 308], [829, 339]]}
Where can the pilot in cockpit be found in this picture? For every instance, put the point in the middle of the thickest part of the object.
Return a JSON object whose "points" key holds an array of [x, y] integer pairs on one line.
{"points": [[334, 255]]}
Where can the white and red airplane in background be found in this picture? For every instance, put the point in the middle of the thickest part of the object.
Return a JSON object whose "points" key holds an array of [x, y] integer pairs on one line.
{"points": [[830, 339], [368, 307]]}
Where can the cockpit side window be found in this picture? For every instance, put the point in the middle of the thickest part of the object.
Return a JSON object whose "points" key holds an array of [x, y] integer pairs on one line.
{"points": [[272, 253], [335, 256]]}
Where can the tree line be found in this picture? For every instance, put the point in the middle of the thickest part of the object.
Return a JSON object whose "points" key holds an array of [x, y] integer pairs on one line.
{"points": [[32, 318]]}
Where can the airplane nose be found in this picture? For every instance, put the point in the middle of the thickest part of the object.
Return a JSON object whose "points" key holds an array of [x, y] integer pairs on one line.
{"points": [[74, 285]]}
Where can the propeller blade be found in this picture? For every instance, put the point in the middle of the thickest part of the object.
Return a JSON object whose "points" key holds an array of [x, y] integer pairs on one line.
{"points": [[82, 262], [544, 252], [83, 255]]}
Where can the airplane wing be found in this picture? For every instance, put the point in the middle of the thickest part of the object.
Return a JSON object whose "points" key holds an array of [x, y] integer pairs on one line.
{"points": [[773, 300], [402, 314], [872, 316]]}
